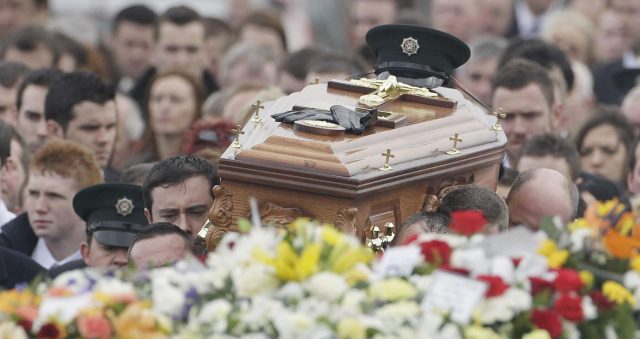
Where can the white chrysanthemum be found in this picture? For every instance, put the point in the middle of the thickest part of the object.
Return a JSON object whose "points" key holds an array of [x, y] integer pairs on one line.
{"points": [[326, 285], [255, 314], [474, 260], [589, 309], [504, 307], [431, 326], [215, 315], [531, 265], [578, 238], [502, 267], [420, 282], [114, 287], [12, 330], [167, 298], [254, 279]]}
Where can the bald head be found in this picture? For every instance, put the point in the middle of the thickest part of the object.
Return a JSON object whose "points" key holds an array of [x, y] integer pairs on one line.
{"points": [[540, 193]]}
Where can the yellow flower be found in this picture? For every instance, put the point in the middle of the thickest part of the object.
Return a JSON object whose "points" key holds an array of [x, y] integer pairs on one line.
{"points": [[635, 263], [350, 328], [260, 255], [137, 321], [547, 248], [587, 278], [625, 223], [557, 258], [290, 266], [393, 289], [12, 299], [607, 207], [479, 332], [577, 224], [617, 293], [332, 236], [537, 334]]}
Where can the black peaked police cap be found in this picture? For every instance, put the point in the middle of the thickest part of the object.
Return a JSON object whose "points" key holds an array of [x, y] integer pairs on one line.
{"points": [[416, 52], [114, 212]]}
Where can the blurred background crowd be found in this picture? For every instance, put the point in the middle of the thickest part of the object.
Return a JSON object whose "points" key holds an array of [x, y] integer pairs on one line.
{"points": [[187, 72]]}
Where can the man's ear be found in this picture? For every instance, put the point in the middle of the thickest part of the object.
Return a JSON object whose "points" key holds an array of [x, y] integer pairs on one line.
{"points": [[147, 214], [84, 251], [54, 130], [558, 118]]}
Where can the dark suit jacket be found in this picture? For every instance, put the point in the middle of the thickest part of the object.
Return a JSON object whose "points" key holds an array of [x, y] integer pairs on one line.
{"points": [[604, 85], [18, 235], [70, 266], [17, 268]]}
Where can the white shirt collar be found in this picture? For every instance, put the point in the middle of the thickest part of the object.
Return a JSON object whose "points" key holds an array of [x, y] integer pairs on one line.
{"points": [[630, 60], [43, 256]]}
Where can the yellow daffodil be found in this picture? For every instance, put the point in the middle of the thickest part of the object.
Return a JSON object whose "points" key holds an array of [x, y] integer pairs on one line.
{"points": [[635, 263], [332, 236], [557, 258], [617, 293], [547, 247], [587, 278]]}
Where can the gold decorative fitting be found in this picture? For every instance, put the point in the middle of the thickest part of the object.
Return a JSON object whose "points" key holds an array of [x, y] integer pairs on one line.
{"points": [[410, 46], [237, 131], [454, 150], [499, 114], [388, 90], [256, 117], [386, 167], [379, 242], [124, 206]]}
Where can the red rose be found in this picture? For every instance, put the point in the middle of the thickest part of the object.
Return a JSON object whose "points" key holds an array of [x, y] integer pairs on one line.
{"points": [[547, 320], [48, 331], [436, 252], [497, 286], [467, 222], [568, 280], [26, 324], [570, 307], [601, 301], [539, 285], [516, 261]]}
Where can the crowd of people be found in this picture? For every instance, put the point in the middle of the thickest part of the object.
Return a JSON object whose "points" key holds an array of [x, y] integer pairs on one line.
{"points": [[111, 139]]}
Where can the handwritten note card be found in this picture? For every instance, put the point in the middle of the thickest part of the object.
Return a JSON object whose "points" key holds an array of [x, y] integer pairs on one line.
{"points": [[454, 294]]}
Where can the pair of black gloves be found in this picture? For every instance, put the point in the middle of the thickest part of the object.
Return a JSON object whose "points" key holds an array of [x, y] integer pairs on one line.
{"points": [[353, 121]]}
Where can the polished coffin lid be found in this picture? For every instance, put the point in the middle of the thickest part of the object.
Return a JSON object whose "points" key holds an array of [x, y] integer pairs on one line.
{"points": [[274, 154]]}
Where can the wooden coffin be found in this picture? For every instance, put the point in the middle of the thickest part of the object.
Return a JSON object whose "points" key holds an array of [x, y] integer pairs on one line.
{"points": [[337, 179]]}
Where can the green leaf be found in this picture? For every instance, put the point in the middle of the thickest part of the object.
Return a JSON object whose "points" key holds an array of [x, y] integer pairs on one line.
{"points": [[550, 229]]}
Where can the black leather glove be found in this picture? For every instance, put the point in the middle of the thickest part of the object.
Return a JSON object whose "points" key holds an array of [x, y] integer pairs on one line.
{"points": [[353, 121], [305, 114]]}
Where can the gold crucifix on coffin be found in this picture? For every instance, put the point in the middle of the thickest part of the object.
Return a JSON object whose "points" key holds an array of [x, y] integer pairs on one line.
{"points": [[380, 94]]}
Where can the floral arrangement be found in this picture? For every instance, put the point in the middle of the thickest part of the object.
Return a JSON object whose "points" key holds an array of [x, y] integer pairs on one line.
{"points": [[310, 280]]}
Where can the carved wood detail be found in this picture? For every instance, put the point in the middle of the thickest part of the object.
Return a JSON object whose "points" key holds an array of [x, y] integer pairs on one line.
{"points": [[432, 199], [220, 216], [346, 220], [276, 215]]}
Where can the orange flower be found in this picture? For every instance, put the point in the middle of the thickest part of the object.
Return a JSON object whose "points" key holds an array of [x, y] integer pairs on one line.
{"points": [[94, 326], [137, 321], [620, 246]]}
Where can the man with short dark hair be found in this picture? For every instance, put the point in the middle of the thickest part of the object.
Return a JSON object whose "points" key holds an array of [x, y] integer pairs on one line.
{"points": [[179, 190], [420, 223], [180, 45], [524, 91], [131, 44], [472, 197], [81, 107], [30, 99], [11, 74], [550, 151], [31, 46], [160, 244]]}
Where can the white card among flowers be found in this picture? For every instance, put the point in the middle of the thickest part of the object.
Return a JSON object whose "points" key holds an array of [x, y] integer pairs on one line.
{"points": [[398, 262], [453, 294]]}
